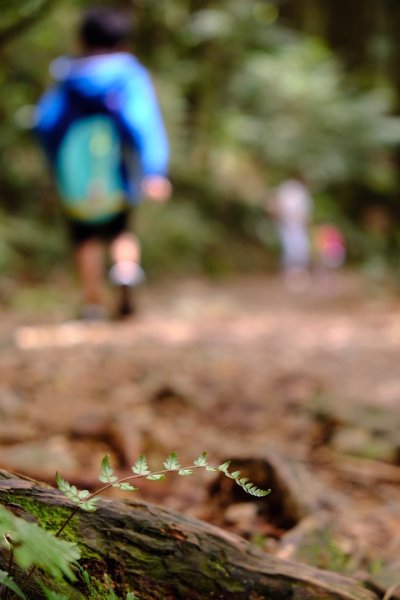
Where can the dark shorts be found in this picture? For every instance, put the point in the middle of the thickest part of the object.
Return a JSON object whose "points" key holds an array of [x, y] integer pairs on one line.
{"points": [[81, 232]]}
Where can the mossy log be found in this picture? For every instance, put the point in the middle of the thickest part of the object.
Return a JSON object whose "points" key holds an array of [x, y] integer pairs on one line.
{"points": [[161, 555]]}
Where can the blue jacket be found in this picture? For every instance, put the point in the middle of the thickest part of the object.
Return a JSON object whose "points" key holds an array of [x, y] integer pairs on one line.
{"points": [[116, 85]]}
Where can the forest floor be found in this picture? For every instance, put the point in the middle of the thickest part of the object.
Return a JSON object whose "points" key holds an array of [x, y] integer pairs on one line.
{"points": [[305, 385]]}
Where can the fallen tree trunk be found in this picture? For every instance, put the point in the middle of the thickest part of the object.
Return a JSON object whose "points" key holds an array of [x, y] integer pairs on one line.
{"points": [[161, 555]]}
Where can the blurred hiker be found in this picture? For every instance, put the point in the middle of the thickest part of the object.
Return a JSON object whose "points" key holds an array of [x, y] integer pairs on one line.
{"points": [[329, 246], [291, 207], [104, 137]]}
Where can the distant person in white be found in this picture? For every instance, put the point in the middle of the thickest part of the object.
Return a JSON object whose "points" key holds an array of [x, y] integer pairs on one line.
{"points": [[292, 209]]}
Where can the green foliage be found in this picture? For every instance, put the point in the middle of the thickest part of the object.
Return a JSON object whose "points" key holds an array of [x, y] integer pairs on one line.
{"points": [[294, 112], [172, 463], [52, 595], [106, 473], [93, 591], [141, 467], [24, 238], [87, 501], [201, 461], [32, 546], [82, 498], [243, 482], [8, 582]]}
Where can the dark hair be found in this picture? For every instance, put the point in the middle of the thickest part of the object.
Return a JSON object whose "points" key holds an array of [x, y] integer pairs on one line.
{"points": [[104, 27]]}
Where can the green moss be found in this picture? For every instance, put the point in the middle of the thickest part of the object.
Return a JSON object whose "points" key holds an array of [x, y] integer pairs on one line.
{"points": [[50, 518]]}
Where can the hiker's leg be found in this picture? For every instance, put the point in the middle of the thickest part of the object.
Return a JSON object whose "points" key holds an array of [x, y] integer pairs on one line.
{"points": [[89, 262], [126, 271], [125, 247]]}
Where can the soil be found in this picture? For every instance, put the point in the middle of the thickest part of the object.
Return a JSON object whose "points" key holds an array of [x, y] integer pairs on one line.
{"points": [[241, 368]]}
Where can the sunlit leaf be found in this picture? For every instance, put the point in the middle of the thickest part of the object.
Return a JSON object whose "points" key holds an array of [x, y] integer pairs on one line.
{"points": [[201, 461], [106, 471], [156, 476], [141, 467], [172, 463], [184, 472]]}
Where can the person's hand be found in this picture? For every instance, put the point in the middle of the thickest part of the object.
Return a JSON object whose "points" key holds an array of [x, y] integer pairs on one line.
{"points": [[157, 188]]}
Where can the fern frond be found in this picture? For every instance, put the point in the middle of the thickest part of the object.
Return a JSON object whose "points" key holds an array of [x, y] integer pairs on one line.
{"points": [[172, 463], [106, 471], [251, 488], [7, 581], [201, 461], [127, 487], [141, 467], [184, 472], [71, 491]]}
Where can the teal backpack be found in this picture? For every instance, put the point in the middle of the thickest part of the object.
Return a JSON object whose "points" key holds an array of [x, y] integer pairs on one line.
{"points": [[88, 170]]}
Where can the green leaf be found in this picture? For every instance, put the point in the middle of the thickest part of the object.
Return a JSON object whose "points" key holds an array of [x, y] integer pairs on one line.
{"points": [[141, 467], [213, 469], [252, 489], [184, 472], [52, 595], [7, 581], [155, 476], [106, 472], [35, 546], [83, 494], [89, 505], [224, 467], [172, 463], [70, 491], [201, 461], [127, 487], [235, 474], [62, 484]]}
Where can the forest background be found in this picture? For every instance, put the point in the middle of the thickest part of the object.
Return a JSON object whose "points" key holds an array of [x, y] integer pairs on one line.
{"points": [[252, 91]]}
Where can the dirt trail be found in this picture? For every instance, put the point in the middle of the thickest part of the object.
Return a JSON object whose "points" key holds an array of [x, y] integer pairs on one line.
{"points": [[235, 367]]}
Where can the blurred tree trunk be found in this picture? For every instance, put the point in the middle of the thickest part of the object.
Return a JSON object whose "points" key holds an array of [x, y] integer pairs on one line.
{"points": [[349, 28]]}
